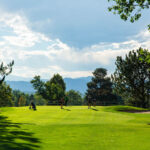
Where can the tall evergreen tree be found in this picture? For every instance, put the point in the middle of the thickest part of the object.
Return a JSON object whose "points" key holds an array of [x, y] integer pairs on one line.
{"points": [[100, 88], [132, 78]]}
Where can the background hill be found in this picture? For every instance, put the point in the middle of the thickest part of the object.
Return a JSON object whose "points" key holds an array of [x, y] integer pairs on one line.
{"points": [[78, 84]]}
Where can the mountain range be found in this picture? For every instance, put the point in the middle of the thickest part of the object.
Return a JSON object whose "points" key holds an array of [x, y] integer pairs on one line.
{"points": [[78, 84]]}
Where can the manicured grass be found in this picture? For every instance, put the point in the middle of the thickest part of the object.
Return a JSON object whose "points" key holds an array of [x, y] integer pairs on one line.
{"points": [[73, 128]]}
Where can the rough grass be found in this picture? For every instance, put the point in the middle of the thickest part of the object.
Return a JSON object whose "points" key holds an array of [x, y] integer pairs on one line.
{"points": [[74, 128]]}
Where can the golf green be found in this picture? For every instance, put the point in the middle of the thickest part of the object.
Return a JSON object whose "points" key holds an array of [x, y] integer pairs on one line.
{"points": [[73, 128]]}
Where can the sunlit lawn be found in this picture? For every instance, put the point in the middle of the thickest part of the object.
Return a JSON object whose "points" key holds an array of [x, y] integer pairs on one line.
{"points": [[73, 128]]}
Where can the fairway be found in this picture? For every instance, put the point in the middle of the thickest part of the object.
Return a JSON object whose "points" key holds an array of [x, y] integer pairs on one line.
{"points": [[73, 128]]}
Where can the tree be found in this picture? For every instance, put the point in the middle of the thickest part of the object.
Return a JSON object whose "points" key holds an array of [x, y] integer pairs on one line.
{"points": [[22, 101], [39, 85], [132, 78], [74, 97], [55, 88], [100, 88], [129, 9], [52, 90], [57, 79], [39, 100], [16, 97], [5, 70], [5, 95]]}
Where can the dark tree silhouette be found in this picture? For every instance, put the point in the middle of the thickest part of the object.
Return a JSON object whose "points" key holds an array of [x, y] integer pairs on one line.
{"points": [[5, 70]]}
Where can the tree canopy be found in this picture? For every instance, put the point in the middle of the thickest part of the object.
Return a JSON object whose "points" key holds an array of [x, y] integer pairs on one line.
{"points": [[132, 78], [5, 95], [74, 97], [38, 85], [129, 9], [5, 70], [52, 90], [100, 88]]}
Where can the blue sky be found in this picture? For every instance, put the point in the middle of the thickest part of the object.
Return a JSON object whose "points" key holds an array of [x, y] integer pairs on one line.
{"points": [[67, 37]]}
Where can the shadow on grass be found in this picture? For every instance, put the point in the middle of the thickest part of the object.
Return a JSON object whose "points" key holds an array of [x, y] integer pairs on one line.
{"points": [[66, 109], [13, 138], [94, 109], [127, 109]]}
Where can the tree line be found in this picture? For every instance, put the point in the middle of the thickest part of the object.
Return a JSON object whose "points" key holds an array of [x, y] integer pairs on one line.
{"points": [[9, 97], [129, 85]]}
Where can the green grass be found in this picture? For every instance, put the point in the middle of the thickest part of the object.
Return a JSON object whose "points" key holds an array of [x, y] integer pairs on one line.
{"points": [[74, 128]]}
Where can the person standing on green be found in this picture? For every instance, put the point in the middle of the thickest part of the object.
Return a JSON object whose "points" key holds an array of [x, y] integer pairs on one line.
{"points": [[61, 102]]}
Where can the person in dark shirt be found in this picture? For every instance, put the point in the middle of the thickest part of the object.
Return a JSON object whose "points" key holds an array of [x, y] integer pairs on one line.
{"points": [[32, 105]]}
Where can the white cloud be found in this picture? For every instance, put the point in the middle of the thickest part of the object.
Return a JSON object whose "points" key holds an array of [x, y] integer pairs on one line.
{"points": [[22, 35], [28, 72], [34, 53]]}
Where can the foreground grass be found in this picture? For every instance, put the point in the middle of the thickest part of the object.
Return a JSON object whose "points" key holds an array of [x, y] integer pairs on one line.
{"points": [[73, 128]]}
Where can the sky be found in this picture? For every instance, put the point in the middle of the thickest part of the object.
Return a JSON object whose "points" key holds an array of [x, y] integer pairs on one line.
{"points": [[69, 37]]}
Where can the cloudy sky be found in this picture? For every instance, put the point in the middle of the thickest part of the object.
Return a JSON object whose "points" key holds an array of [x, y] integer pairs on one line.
{"points": [[70, 37]]}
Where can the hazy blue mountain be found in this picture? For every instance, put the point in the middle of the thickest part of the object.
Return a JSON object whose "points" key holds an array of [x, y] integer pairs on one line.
{"points": [[24, 86], [17, 78], [78, 84]]}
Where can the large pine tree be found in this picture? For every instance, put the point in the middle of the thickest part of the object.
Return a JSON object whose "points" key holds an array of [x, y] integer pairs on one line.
{"points": [[132, 78], [100, 88]]}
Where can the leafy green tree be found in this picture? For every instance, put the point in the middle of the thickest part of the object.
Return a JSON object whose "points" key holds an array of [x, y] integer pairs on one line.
{"points": [[22, 101], [16, 96], [39, 100], [56, 92], [5, 70], [53, 90], [57, 79], [5, 95], [74, 97], [129, 9], [39, 85], [132, 78], [144, 56], [100, 88]]}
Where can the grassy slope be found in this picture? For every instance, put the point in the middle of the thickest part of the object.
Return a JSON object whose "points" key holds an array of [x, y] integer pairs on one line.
{"points": [[74, 128]]}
